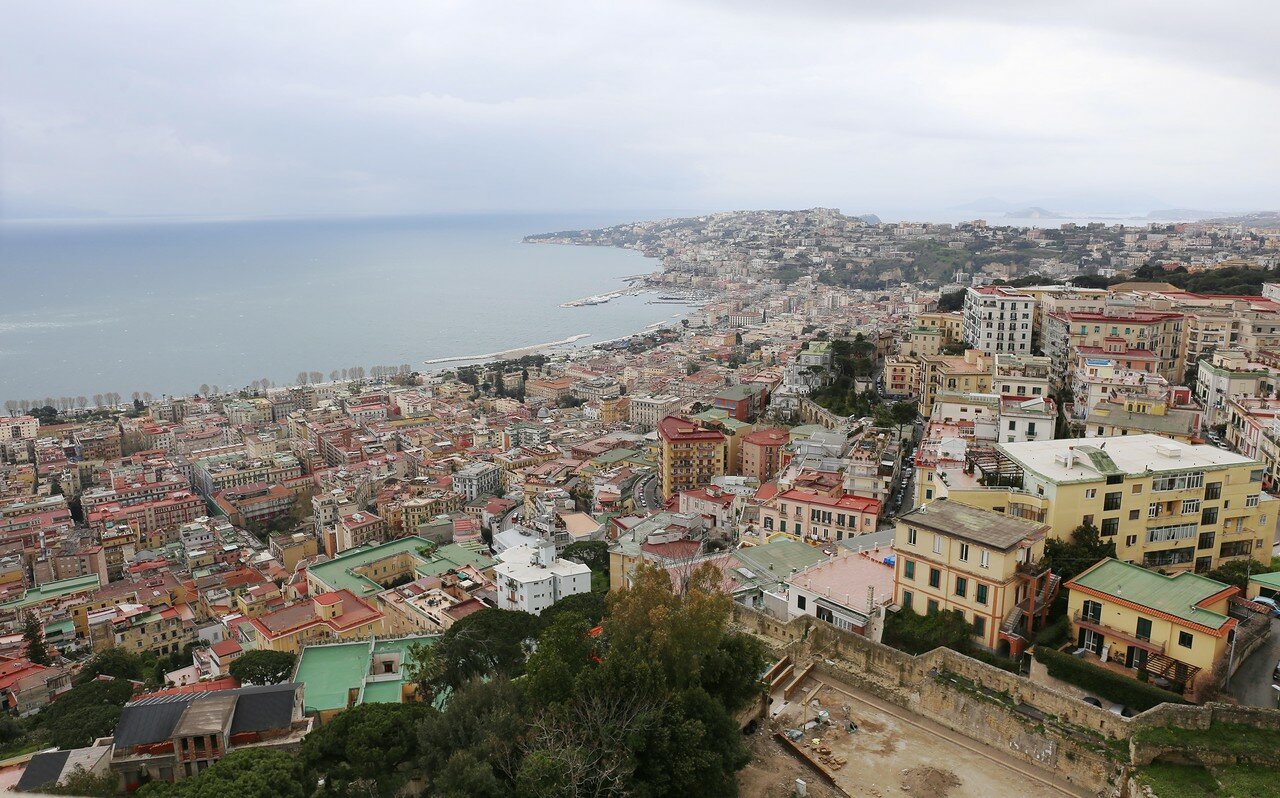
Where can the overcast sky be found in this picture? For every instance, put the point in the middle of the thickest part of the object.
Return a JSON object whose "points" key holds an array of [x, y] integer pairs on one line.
{"points": [[291, 108]]}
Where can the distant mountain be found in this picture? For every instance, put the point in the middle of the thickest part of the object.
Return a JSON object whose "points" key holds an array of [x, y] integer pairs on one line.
{"points": [[1033, 213], [869, 218], [1255, 219]]}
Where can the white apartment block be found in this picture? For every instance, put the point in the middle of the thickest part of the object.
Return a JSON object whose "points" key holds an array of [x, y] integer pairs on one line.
{"points": [[530, 578], [998, 319]]}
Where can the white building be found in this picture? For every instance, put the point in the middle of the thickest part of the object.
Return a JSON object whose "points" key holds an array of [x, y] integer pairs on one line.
{"points": [[478, 479], [530, 578], [648, 409], [18, 428], [998, 319]]}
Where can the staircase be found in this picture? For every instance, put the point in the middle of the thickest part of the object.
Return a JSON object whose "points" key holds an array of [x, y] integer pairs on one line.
{"points": [[1013, 622], [1048, 592]]}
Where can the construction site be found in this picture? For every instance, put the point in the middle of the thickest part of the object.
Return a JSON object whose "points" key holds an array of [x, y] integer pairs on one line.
{"points": [[842, 741]]}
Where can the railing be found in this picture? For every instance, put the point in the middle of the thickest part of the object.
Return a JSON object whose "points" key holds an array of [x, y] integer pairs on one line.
{"points": [[1128, 637]]}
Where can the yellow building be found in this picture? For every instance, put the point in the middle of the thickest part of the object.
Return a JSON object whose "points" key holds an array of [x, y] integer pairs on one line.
{"points": [[1142, 415], [931, 332], [1171, 627], [967, 373], [614, 411], [979, 563], [327, 617], [1164, 504], [691, 455]]}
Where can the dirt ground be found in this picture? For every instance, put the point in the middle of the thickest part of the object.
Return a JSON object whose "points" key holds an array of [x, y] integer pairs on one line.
{"points": [[886, 756]]}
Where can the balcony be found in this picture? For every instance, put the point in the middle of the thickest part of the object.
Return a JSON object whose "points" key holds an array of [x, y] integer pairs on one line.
{"points": [[1129, 638]]}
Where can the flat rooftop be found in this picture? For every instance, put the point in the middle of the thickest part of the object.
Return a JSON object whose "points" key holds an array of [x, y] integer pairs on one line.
{"points": [[1129, 454]]}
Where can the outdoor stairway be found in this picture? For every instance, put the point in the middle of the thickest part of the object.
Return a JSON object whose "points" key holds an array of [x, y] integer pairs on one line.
{"points": [[1012, 623]]}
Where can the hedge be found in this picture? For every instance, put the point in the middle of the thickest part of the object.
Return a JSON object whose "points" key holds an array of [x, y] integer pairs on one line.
{"points": [[1102, 682]]}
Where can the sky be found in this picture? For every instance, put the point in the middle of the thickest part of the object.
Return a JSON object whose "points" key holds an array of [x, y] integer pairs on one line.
{"points": [[248, 109]]}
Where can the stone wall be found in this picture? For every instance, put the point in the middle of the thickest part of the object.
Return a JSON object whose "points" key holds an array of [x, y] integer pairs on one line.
{"points": [[1046, 727]]}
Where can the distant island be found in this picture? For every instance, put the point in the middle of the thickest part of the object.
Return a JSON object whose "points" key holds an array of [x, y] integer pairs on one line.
{"points": [[1033, 213]]}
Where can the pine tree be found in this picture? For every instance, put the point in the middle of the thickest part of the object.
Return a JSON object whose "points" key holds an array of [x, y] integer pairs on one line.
{"points": [[32, 632]]}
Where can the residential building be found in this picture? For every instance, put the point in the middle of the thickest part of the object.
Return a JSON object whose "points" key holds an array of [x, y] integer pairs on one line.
{"points": [[323, 617], [1229, 374], [818, 517], [1165, 504], [338, 676], [998, 319], [1164, 627], [761, 453], [691, 455], [849, 590], [531, 578], [647, 410], [478, 479], [967, 373], [982, 564]]}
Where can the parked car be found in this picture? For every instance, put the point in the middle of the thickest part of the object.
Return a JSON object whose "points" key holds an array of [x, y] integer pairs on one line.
{"points": [[1270, 604]]}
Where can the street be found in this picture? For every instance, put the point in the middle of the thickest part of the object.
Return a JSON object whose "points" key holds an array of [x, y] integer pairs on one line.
{"points": [[1252, 682]]}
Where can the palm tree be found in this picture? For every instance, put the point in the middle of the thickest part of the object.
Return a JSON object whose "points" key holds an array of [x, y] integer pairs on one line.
{"points": [[204, 389]]}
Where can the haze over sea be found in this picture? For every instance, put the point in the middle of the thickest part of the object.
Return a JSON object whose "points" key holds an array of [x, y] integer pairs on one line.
{"points": [[165, 306]]}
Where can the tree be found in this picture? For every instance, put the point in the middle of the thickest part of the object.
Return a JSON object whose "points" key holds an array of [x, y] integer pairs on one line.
{"points": [[917, 634], [952, 301], [370, 748], [1237, 572], [86, 784], [1067, 558], [263, 667], [84, 713], [589, 605], [33, 634], [486, 643], [472, 748], [252, 773], [117, 663]]}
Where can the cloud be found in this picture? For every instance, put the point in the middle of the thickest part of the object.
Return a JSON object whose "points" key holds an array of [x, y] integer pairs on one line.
{"points": [[300, 108]]}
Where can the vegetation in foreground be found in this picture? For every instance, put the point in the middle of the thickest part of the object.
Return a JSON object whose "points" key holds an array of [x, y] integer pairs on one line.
{"points": [[537, 707]]}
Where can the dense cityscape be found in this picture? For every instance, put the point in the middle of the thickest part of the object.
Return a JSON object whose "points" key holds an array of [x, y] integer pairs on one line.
{"points": [[914, 507]]}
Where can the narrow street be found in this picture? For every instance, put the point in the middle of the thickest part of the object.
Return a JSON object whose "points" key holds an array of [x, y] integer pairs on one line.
{"points": [[1252, 682]]}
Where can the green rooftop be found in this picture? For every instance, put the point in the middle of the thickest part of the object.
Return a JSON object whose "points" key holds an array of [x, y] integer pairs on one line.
{"points": [[1172, 595], [1102, 462], [340, 572], [776, 561], [1269, 581], [329, 673], [720, 417], [52, 590]]}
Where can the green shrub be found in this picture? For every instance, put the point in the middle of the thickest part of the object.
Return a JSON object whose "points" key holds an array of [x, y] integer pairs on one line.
{"points": [[1102, 682], [1004, 663], [917, 634], [1055, 634]]}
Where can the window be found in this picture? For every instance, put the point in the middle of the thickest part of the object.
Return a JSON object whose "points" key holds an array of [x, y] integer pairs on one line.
{"points": [[911, 536], [1013, 425], [1213, 491], [799, 602], [1236, 548], [768, 522], [906, 599], [1131, 540], [962, 586], [935, 577], [937, 544], [1087, 520], [932, 606], [1180, 481], [1185, 639], [1164, 534], [1206, 540], [1153, 510], [1208, 515], [1251, 500], [1091, 611], [1137, 487], [1190, 506], [1091, 493], [984, 558], [1133, 515], [1110, 526], [1256, 475], [979, 626], [980, 593], [1144, 629], [964, 552], [1112, 501], [909, 569]]}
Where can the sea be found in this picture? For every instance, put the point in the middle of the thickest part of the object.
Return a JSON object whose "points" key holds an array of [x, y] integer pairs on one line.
{"points": [[163, 307]]}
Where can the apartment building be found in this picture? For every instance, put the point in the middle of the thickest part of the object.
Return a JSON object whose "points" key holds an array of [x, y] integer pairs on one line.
{"points": [[691, 455], [1165, 504], [819, 517], [322, 618], [648, 409], [998, 319], [1169, 627], [901, 377], [1228, 374], [1135, 336], [761, 452], [967, 373], [18, 428], [215, 474], [983, 564], [530, 579], [1020, 375], [478, 479], [930, 333]]}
